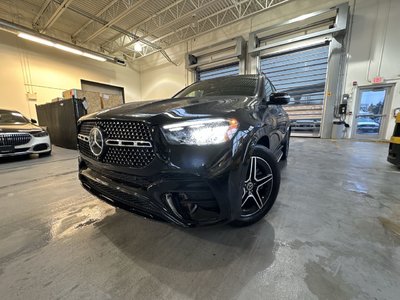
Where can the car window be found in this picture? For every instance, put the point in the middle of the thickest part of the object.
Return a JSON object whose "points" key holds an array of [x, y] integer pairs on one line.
{"points": [[223, 86], [12, 117]]}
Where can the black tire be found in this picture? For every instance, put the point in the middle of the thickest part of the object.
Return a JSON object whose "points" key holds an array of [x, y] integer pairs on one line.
{"points": [[45, 154], [259, 190], [285, 148]]}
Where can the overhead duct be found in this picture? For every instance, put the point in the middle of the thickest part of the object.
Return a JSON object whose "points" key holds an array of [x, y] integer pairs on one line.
{"points": [[29, 34]]}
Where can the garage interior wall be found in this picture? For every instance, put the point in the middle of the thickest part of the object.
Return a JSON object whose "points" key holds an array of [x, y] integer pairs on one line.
{"points": [[29, 67], [372, 50]]}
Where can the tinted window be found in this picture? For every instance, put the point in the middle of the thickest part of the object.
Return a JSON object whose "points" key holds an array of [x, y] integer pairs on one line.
{"points": [[226, 86], [12, 117]]}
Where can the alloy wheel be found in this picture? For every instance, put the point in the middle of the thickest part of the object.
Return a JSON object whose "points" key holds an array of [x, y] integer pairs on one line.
{"points": [[258, 186]]}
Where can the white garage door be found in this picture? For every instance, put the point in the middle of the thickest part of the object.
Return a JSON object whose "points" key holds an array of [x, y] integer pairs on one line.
{"points": [[232, 69], [302, 74]]}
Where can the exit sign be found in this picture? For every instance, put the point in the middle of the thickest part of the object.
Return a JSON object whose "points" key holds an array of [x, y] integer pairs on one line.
{"points": [[378, 79]]}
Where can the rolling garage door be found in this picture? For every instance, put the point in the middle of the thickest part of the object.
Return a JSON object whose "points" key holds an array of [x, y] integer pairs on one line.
{"points": [[302, 74], [232, 69]]}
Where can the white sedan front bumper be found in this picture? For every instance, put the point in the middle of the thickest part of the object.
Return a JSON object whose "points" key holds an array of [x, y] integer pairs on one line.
{"points": [[36, 145]]}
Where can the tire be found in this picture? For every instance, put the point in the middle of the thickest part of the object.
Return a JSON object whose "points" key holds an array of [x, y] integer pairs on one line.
{"points": [[260, 188], [45, 154], [285, 148]]}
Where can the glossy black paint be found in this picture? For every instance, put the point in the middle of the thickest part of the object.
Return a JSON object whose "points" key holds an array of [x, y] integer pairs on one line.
{"points": [[211, 175]]}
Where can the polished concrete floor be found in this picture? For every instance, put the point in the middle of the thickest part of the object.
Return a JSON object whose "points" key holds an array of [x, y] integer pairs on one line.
{"points": [[334, 233]]}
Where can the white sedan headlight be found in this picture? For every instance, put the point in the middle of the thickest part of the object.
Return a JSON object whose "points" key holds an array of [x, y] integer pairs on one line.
{"points": [[39, 133], [201, 131]]}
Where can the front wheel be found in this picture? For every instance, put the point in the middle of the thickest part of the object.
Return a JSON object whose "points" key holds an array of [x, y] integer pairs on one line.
{"points": [[260, 187]]}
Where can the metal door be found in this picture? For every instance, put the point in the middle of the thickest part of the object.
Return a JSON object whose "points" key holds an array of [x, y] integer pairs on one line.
{"points": [[226, 70], [370, 120], [302, 74]]}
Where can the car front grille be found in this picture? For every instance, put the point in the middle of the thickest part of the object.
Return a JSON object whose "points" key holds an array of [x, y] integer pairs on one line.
{"points": [[126, 156], [14, 139]]}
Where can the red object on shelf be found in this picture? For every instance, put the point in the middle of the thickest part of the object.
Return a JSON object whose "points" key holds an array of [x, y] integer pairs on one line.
{"points": [[377, 79]]}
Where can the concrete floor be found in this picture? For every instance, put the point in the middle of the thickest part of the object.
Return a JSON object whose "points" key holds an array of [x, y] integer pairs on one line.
{"points": [[334, 233]]}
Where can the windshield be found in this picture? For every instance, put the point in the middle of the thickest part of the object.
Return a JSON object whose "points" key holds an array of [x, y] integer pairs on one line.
{"points": [[223, 86], [12, 117]]}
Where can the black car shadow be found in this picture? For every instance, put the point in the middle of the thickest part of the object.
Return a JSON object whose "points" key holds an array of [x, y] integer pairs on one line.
{"points": [[177, 256], [23, 157]]}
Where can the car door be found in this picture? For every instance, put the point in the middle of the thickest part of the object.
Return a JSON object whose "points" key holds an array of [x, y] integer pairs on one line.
{"points": [[272, 119]]}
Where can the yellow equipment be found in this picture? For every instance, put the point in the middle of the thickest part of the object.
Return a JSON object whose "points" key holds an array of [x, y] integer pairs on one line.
{"points": [[394, 148]]}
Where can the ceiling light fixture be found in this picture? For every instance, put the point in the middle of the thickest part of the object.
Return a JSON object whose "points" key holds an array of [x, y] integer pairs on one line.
{"points": [[68, 49], [95, 57], [35, 39], [138, 47], [42, 41]]}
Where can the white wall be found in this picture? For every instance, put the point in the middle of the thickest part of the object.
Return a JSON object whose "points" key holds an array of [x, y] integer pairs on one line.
{"points": [[370, 37], [163, 82], [50, 71], [374, 50]]}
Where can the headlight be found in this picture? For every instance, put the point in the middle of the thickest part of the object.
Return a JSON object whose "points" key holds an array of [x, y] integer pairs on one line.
{"points": [[201, 131], [40, 133]]}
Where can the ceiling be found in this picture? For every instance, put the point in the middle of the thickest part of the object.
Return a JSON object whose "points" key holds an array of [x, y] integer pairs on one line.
{"points": [[114, 27]]}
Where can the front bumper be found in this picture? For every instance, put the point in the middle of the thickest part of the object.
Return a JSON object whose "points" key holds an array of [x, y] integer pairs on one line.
{"points": [[184, 190], [36, 145]]}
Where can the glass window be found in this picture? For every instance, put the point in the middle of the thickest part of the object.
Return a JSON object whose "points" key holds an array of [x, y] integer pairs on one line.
{"points": [[12, 117], [223, 86]]}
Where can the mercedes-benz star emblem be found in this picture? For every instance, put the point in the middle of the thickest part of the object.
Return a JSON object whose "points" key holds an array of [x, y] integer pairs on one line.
{"points": [[96, 141]]}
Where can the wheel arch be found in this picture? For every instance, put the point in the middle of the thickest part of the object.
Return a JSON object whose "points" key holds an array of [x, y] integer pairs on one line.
{"points": [[263, 141]]}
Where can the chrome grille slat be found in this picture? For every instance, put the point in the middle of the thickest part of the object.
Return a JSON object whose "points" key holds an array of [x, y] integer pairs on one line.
{"points": [[137, 152], [14, 139]]}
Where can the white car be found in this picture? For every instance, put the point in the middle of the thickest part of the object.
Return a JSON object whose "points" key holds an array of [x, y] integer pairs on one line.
{"points": [[20, 136]]}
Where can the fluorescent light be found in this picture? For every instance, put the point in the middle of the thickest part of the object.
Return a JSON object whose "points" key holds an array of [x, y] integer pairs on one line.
{"points": [[138, 47], [95, 57], [68, 49], [42, 41], [35, 39]]}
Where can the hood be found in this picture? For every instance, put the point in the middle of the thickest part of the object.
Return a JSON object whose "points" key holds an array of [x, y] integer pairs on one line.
{"points": [[19, 127], [176, 109]]}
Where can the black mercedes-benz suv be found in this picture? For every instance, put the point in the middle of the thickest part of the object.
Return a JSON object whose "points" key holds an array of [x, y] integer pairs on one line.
{"points": [[208, 155]]}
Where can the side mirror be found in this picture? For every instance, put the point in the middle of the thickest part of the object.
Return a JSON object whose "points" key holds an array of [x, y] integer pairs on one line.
{"points": [[279, 98], [33, 121]]}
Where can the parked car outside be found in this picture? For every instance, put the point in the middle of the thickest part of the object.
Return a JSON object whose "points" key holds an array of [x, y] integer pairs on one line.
{"points": [[367, 125], [207, 155]]}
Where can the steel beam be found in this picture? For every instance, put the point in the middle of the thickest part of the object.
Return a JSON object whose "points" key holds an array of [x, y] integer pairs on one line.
{"points": [[122, 31], [154, 24], [174, 5], [115, 19], [49, 14], [214, 21], [74, 35]]}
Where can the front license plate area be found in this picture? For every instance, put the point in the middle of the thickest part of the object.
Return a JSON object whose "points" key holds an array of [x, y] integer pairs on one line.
{"points": [[7, 149]]}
